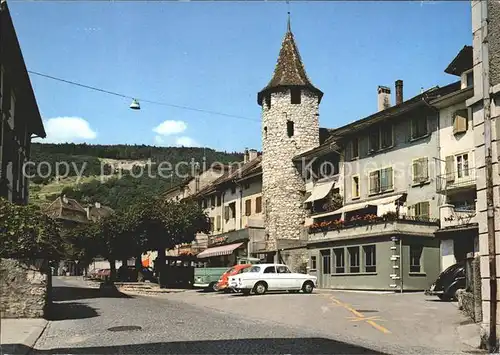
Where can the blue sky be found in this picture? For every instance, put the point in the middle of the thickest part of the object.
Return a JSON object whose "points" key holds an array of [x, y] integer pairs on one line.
{"points": [[217, 56]]}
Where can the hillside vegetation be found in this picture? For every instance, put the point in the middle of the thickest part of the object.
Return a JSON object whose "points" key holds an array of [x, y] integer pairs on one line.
{"points": [[114, 175]]}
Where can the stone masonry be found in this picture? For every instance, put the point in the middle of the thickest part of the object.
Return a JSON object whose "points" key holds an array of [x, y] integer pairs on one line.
{"points": [[23, 290], [282, 182]]}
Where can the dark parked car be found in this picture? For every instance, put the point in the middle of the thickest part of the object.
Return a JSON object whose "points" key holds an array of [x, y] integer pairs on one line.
{"points": [[449, 282]]}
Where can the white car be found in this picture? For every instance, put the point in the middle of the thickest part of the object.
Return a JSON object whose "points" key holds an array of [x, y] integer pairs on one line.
{"points": [[261, 278]]}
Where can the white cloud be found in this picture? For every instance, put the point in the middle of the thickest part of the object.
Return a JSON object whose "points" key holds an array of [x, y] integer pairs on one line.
{"points": [[186, 142], [170, 127], [159, 140], [67, 129]]}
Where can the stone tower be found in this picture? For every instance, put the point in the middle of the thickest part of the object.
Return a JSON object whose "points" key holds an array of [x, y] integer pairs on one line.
{"points": [[290, 126]]}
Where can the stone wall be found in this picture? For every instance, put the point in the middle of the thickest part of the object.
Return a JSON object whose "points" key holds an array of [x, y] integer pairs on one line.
{"points": [[282, 184], [23, 290], [295, 259], [466, 304]]}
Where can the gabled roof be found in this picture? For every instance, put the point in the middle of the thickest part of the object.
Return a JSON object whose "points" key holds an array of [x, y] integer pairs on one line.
{"points": [[289, 70], [64, 208], [461, 63]]}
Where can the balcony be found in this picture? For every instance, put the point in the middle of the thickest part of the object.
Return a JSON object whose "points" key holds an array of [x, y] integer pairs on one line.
{"points": [[456, 180], [372, 225], [452, 217]]}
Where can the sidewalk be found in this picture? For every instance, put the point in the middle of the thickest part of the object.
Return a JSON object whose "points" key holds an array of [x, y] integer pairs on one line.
{"points": [[18, 336]]}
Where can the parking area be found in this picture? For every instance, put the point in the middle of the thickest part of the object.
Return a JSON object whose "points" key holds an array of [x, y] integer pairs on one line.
{"points": [[418, 323]]}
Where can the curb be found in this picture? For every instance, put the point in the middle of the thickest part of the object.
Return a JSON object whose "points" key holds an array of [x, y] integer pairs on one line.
{"points": [[326, 290], [27, 345], [35, 335]]}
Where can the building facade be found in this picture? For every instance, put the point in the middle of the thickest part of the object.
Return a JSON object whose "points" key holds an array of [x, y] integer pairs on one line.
{"points": [[20, 117], [456, 179]]}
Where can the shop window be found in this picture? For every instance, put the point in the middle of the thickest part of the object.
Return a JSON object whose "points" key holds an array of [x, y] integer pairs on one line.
{"points": [[353, 259], [416, 258], [370, 258], [339, 260]]}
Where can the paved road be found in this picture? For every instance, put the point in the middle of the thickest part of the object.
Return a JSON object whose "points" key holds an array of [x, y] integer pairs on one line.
{"points": [[202, 323]]}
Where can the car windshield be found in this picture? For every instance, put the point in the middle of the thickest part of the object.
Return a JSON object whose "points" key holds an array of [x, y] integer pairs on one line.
{"points": [[254, 269]]}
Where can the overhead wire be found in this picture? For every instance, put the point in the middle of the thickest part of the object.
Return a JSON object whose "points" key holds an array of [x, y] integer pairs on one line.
{"points": [[154, 102]]}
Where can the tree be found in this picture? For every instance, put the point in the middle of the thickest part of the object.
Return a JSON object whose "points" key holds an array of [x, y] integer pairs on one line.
{"points": [[26, 233]]}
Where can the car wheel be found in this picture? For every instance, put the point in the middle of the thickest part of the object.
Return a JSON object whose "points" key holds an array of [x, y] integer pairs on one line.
{"points": [[211, 286], [444, 297], [308, 287], [260, 288]]}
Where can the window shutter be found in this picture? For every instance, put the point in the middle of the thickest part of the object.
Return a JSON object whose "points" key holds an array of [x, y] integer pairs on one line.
{"points": [[218, 222], [258, 204], [248, 207], [460, 122], [212, 224], [424, 209], [226, 213], [416, 171], [424, 169], [450, 173], [374, 182]]}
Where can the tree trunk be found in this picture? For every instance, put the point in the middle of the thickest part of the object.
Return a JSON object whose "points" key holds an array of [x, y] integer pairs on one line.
{"points": [[112, 270]]}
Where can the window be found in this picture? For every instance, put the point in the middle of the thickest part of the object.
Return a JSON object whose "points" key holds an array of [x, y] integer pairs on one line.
{"points": [[380, 137], [421, 209], [265, 132], [420, 170], [232, 208], [218, 223], [233, 189], [469, 79], [418, 127], [204, 203], [462, 165], [258, 204], [381, 181], [282, 269], [326, 262], [268, 101], [212, 224], [339, 260], [355, 148], [295, 96], [270, 270], [370, 258], [460, 121], [415, 258], [227, 213], [246, 186], [290, 128], [248, 207], [355, 186], [353, 259], [12, 110], [386, 136], [313, 262], [212, 201], [218, 201]]}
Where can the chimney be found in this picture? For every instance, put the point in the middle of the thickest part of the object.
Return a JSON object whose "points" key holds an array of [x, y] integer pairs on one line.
{"points": [[252, 154], [384, 98], [245, 156], [399, 92]]}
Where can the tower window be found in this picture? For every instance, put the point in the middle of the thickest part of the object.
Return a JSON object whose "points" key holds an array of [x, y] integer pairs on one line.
{"points": [[265, 132], [268, 101], [295, 94], [290, 128]]}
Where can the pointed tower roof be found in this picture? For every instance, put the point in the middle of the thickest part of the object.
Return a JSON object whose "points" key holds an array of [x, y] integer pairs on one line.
{"points": [[289, 70]]}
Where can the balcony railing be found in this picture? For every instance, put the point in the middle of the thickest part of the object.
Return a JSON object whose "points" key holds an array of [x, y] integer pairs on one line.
{"points": [[451, 216], [456, 179], [370, 219]]}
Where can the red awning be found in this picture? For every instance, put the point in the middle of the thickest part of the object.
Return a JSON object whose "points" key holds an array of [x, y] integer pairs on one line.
{"points": [[222, 250]]}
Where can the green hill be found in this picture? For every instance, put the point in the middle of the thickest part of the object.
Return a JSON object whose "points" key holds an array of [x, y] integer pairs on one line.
{"points": [[114, 175]]}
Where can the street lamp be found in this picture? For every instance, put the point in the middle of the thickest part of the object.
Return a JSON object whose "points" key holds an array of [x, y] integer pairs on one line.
{"points": [[135, 105]]}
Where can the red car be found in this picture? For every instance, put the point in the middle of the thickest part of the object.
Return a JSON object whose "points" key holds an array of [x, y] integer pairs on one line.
{"points": [[223, 283]]}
